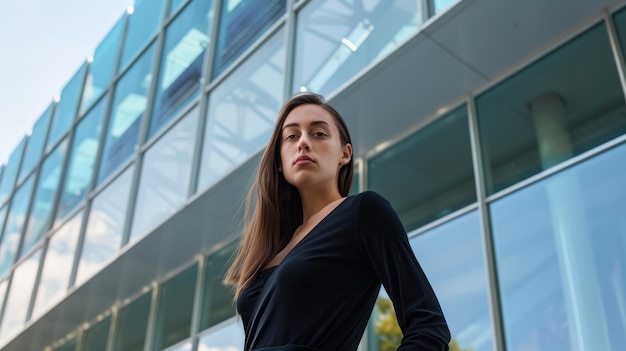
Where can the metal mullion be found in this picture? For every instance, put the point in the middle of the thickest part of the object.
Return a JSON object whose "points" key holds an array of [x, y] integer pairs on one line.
{"points": [[571, 162], [427, 8], [9, 201], [203, 108], [80, 338], [118, 57], [363, 173], [487, 235], [110, 95], [143, 132], [61, 184], [33, 296], [79, 245], [152, 317], [290, 50], [29, 208], [113, 328], [104, 131], [196, 315], [3, 303], [616, 48], [443, 220]]}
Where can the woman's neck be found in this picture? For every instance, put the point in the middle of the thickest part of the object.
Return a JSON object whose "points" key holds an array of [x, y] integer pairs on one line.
{"points": [[314, 202]]}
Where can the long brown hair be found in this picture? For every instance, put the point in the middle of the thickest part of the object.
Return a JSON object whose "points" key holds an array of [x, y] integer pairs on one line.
{"points": [[273, 207]]}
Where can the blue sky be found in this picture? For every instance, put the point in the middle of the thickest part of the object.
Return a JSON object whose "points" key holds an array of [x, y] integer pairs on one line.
{"points": [[43, 43]]}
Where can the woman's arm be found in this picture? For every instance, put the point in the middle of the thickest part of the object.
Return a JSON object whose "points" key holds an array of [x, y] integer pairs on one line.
{"points": [[384, 240]]}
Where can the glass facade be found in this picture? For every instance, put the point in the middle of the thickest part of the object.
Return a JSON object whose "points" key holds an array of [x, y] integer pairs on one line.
{"points": [[561, 250], [336, 40], [18, 297], [36, 143], [425, 186], [133, 324], [66, 108], [165, 177], [82, 159], [102, 67], [57, 265], [186, 40], [546, 94], [241, 23], [129, 104], [142, 25], [512, 194], [15, 222], [217, 298], [242, 111], [40, 217], [176, 308], [103, 236], [11, 171], [96, 336]]}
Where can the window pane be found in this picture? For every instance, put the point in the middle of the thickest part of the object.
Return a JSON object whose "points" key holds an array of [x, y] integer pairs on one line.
{"points": [[241, 23], [36, 143], [335, 39], [18, 298], [561, 253], [16, 219], [133, 325], [218, 304], [441, 5], [45, 194], [129, 105], [143, 24], [175, 308], [185, 346], [551, 111], [101, 69], [242, 111], [67, 107], [227, 336], [10, 171], [460, 283], [427, 185], [165, 176], [105, 226], [186, 40], [96, 337], [57, 265], [82, 160], [175, 5], [68, 346]]}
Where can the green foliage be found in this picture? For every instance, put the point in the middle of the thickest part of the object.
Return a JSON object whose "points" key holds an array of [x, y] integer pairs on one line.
{"points": [[388, 331]]}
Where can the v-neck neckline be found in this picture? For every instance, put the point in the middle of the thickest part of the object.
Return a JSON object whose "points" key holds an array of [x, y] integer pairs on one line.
{"points": [[305, 236]]}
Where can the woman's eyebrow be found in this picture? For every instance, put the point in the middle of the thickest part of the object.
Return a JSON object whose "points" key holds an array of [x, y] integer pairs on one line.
{"points": [[314, 123]]}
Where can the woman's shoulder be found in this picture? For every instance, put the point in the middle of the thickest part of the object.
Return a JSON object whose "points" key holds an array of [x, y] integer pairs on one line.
{"points": [[370, 196], [371, 201]]}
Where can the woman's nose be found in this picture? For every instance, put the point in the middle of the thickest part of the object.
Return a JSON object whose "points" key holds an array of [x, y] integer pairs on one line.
{"points": [[303, 143]]}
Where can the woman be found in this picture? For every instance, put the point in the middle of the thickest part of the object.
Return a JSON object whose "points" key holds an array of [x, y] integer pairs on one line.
{"points": [[311, 262]]}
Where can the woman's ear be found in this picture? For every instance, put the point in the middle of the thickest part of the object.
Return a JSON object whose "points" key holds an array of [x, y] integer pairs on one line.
{"points": [[346, 155]]}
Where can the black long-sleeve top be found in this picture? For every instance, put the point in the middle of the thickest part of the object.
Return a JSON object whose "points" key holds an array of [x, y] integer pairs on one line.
{"points": [[321, 295]]}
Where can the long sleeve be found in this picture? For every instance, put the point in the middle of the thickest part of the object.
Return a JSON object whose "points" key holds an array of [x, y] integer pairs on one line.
{"points": [[384, 240]]}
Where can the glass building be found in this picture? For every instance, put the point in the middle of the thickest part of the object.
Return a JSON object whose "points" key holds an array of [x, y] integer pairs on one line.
{"points": [[497, 130]]}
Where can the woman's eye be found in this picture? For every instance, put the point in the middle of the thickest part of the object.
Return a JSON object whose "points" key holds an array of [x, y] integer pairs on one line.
{"points": [[290, 137], [319, 134]]}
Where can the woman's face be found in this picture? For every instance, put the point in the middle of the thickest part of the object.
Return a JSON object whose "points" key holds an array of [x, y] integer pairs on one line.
{"points": [[311, 151]]}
